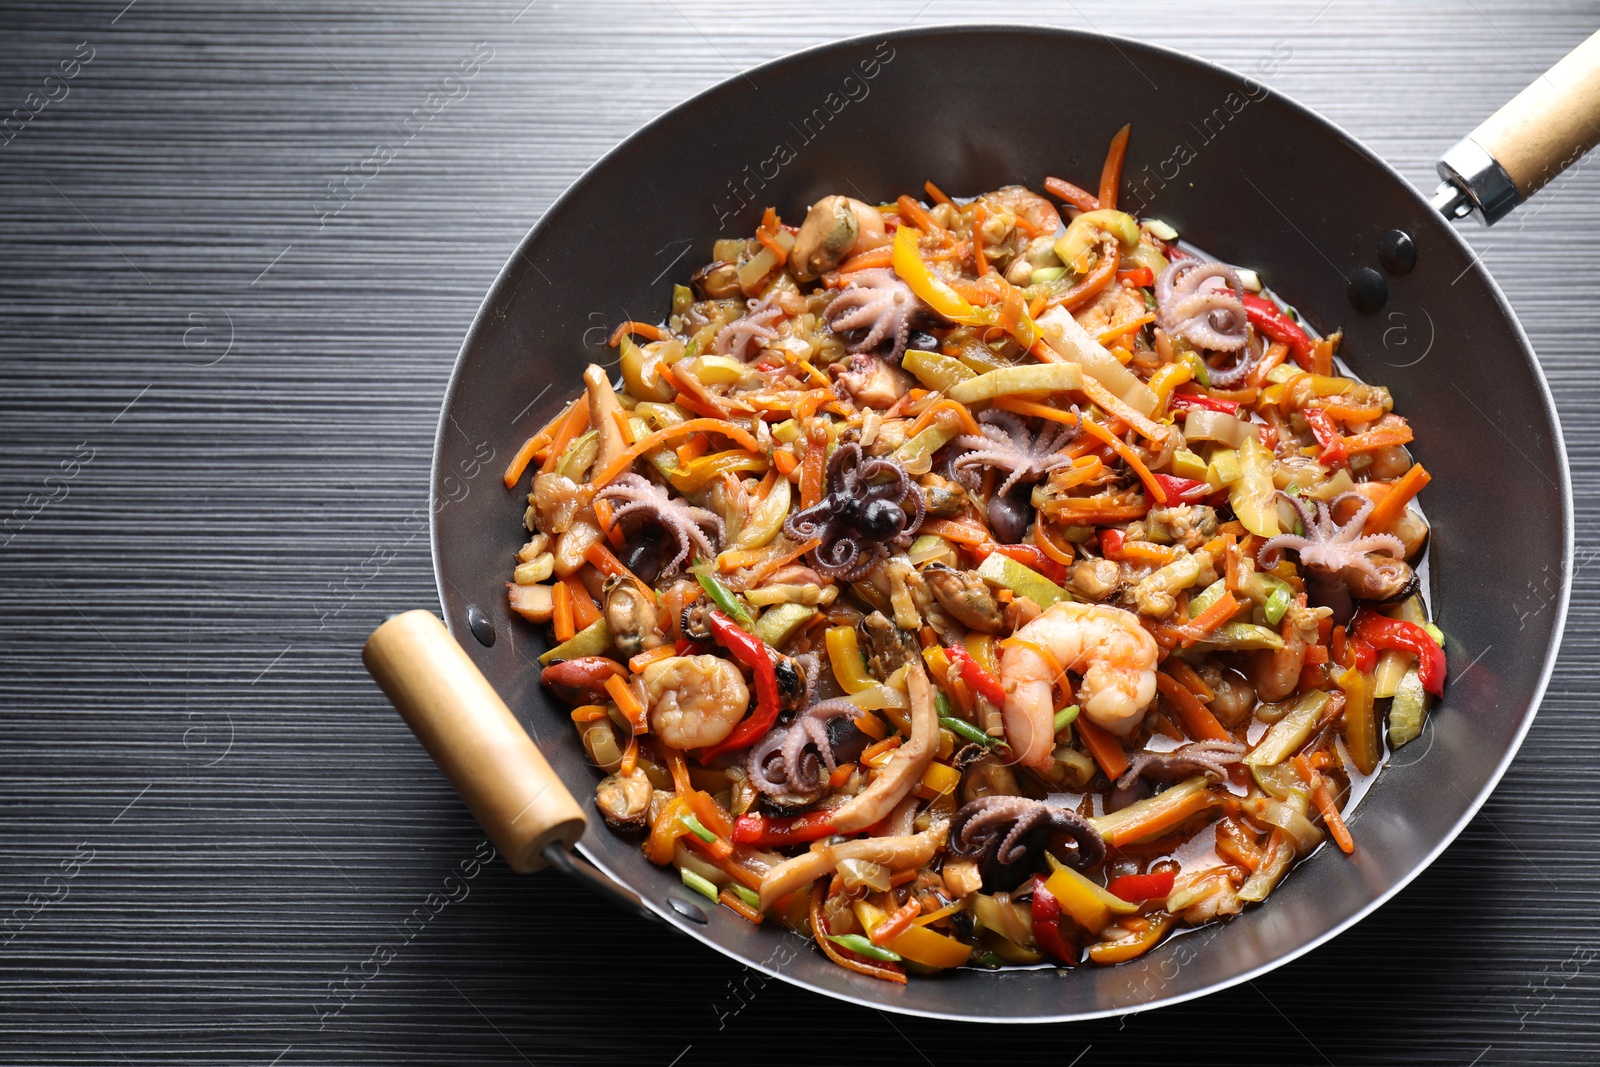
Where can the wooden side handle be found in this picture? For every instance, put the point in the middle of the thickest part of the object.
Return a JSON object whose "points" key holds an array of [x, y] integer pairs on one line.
{"points": [[1549, 125], [473, 737]]}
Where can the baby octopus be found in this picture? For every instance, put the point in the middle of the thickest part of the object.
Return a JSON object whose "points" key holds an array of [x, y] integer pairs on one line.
{"points": [[880, 303], [1207, 317], [1341, 560], [859, 514], [685, 523]]}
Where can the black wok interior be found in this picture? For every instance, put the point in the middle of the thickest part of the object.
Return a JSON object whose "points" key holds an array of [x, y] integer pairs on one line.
{"points": [[1242, 173]]}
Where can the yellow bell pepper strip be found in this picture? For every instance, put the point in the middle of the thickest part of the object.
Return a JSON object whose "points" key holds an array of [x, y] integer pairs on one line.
{"points": [[1360, 723], [695, 475], [909, 265], [844, 654], [1012, 314], [916, 943], [1133, 944], [1089, 905]]}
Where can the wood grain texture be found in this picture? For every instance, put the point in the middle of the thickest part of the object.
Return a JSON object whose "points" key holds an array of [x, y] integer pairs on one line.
{"points": [[219, 845]]}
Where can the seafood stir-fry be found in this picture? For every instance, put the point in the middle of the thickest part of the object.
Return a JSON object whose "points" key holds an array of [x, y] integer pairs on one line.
{"points": [[978, 582]]}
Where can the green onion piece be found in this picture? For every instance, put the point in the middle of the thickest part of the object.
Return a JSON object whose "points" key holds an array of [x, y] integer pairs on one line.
{"points": [[942, 702], [697, 828], [748, 895], [1065, 717], [726, 599], [965, 730], [861, 946], [693, 348], [699, 883], [1278, 603]]}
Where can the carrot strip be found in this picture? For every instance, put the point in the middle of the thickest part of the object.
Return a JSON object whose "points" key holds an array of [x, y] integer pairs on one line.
{"points": [[784, 461], [770, 243], [1198, 627], [584, 611], [869, 260], [589, 713], [1129, 456], [980, 261], [1111, 173], [968, 423], [603, 560], [760, 573], [935, 193], [561, 616], [959, 532], [576, 421], [918, 215], [1324, 801], [608, 526], [630, 758], [731, 901], [638, 663], [897, 923], [1185, 675], [1062, 189], [1036, 409], [1392, 506], [655, 440], [841, 775], [1197, 718], [1127, 327], [1275, 355], [519, 462], [643, 329], [1112, 404], [812, 471], [1106, 749], [628, 704]]}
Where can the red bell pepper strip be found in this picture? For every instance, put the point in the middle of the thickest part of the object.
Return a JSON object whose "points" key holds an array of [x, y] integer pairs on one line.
{"points": [[1141, 276], [1362, 655], [1335, 449], [1267, 317], [1111, 542], [986, 684], [1183, 490], [1141, 887], [1047, 924], [750, 651], [762, 831], [1379, 631], [1201, 400]]}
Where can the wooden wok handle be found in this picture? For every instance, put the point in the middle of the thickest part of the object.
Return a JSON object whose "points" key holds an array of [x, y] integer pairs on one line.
{"points": [[1544, 130], [473, 737], [1549, 125]]}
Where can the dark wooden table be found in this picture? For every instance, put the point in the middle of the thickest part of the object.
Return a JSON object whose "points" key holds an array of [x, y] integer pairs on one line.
{"points": [[218, 384]]}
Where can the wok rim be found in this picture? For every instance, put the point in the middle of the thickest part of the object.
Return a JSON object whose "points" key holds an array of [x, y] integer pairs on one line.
{"points": [[1305, 115]]}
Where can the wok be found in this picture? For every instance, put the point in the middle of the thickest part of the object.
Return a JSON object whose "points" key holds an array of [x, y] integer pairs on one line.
{"points": [[1245, 174]]}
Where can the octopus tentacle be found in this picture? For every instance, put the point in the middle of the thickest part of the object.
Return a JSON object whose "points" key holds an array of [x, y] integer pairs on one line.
{"points": [[756, 327]]}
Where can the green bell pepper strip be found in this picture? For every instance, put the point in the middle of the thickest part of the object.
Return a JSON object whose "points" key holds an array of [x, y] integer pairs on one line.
{"points": [[862, 947], [726, 599]]}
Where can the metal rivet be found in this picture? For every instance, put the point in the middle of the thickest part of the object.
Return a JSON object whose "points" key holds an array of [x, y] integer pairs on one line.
{"points": [[689, 910], [480, 626], [1397, 252], [1368, 290]]}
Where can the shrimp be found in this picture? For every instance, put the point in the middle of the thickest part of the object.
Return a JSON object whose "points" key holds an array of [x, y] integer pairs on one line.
{"points": [[695, 701], [1115, 655]]}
